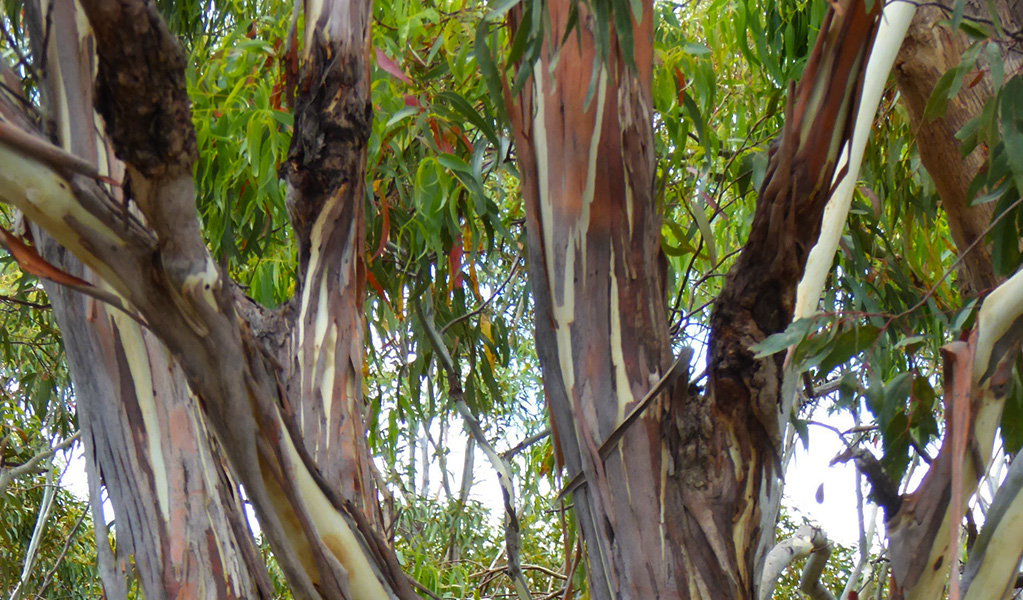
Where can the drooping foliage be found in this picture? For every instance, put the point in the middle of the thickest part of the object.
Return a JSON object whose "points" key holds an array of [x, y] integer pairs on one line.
{"points": [[445, 238]]}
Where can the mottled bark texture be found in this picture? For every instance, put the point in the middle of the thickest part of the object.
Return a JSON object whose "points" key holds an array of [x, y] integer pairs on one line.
{"points": [[228, 349], [180, 519], [685, 506], [597, 279], [326, 186]]}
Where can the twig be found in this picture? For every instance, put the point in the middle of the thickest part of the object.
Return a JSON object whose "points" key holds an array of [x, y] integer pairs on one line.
{"points": [[529, 441], [511, 528], [35, 305], [571, 570], [952, 267], [865, 538], [681, 365], [883, 491], [22, 59], [9, 475], [525, 567], [60, 557], [422, 588], [480, 308], [49, 493]]}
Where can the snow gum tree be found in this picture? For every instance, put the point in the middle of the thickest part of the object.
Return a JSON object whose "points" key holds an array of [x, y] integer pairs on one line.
{"points": [[194, 399]]}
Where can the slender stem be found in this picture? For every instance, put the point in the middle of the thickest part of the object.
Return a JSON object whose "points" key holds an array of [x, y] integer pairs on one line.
{"points": [[500, 464], [60, 557], [480, 308], [9, 475], [529, 441]]}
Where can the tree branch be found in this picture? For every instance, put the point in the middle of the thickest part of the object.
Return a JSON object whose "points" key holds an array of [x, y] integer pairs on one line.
{"points": [[25, 303], [60, 557], [49, 493], [679, 367], [29, 466], [884, 492], [480, 308], [806, 541], [499, 463], [529, 441]]}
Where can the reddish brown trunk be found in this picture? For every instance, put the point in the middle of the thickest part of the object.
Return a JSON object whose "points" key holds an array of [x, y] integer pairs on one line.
{"points": [[928, 51], [597, 280], [674, 509]]}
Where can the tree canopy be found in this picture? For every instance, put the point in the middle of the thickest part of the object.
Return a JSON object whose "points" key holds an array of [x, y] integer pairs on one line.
{"points": [[564, 243]]}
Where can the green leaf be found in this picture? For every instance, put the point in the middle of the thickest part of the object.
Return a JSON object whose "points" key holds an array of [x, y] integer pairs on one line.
{"points": [[708, 237], [399, 115], [463, 108], [793, 334], [454, 163], [995, 194], [939, 98], [957, 13], [680, 235], [949, 83], [696, 49], [488, 69], [847, 344], [499, 9], [1012, 416], [522, 36], [694, 114], [974, 30], [623, 27], [802, 430], [1012, 127], [994, 59]]}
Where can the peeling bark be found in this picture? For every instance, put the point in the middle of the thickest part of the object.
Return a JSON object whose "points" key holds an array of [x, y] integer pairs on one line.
{"points": [[326, 186], [707, 465], [597, 278], [157, 262], [179, 516], [181, 522]]}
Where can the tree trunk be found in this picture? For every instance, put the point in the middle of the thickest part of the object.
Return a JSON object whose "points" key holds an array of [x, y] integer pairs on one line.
{"points": [[180, 520], [928, 51], [326, 187], [682, 502], [278, 393], [597, 280]]}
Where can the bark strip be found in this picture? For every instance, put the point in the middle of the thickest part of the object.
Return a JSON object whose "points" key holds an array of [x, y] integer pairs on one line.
{"points": [[597, 279], [324, 543], [325, 176]]}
